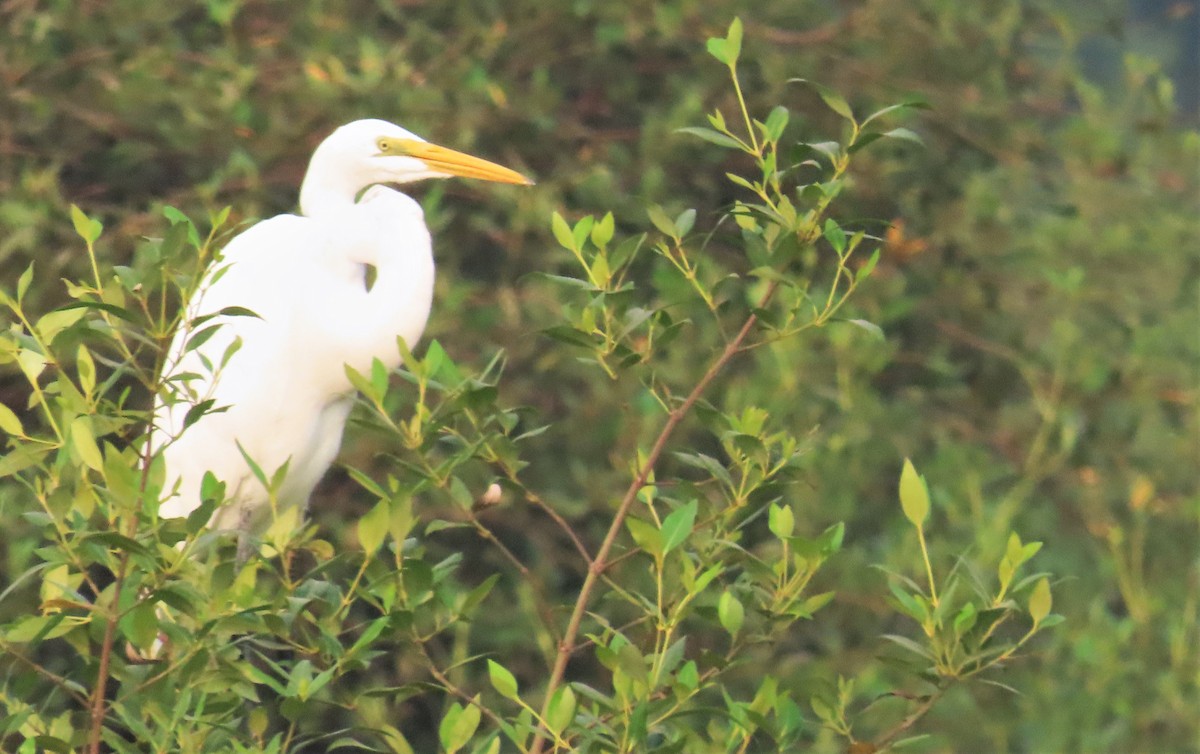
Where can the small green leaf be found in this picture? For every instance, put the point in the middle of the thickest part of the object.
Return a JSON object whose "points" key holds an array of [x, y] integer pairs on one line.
{"points": [[677, 526], [602, 232], [646, 536], [561, 710], [711, 136], [835, 235], [733, 41], [562, 231], [719, 49], [87, 370], [84, 443], [23, 282], [831, 98], [781, 520], [731, 613], [373, 527], [502, 680], [870, 327], [88, 229], [458, 726], [776, 122], [9, 422], [1040, 601], [140, 625], [965, 620], [685, 222], [661, 221], [914, 495], [903, 133]]}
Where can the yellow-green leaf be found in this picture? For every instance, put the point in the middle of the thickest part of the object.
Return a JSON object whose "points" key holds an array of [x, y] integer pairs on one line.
{"points": [[502, 680], [562, 231], [731, 613], [1040, 601], [914, 495], [84, 443], [87, 228], [87, 370], [561, 710], [9, 422], [373, 527]]}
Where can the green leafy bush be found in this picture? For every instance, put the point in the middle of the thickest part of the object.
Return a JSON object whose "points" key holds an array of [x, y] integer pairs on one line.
{"points": [[1036, 288]]}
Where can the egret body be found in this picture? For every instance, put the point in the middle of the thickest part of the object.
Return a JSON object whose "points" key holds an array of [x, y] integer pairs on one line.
{"points": [[277, 379]]}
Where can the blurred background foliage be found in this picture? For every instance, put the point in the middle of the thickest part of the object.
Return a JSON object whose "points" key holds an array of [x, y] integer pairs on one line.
{"points": [[1038, 287]]}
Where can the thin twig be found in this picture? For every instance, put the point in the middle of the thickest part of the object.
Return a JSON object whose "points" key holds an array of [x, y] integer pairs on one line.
{"points": [[449, 685], [567, 645], [883, 742]]}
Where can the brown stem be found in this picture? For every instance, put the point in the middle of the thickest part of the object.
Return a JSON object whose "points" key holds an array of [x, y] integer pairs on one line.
{"points": [[447, 684], [598, 565], [98, 707], [98, 711], [885, 741]]}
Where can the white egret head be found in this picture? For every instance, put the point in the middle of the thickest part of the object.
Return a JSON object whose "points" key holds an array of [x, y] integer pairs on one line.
{"points": [[367, 152]]}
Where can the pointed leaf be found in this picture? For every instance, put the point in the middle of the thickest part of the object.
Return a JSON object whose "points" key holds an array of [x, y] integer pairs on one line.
{"points": [[914, 495], [373, 527], [711, 136], [1040, 601], [731, 613], [502, 680], [677, 526]]}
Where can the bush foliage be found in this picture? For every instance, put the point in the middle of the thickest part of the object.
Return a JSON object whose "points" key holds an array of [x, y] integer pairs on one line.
{"points": [[643, 486]]}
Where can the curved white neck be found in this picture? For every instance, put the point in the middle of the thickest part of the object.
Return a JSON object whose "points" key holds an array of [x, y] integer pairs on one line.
{"points": [[327, 185]]}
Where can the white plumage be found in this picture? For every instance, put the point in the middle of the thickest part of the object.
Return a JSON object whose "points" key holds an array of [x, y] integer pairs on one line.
{"points": [[278, 379]]}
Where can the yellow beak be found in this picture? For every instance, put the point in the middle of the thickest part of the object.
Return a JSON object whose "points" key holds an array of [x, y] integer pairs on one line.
{"points": [[449, 161]]}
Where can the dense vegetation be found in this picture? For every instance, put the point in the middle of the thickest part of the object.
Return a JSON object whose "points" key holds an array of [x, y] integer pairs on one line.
{"points": [[1036, 289]]}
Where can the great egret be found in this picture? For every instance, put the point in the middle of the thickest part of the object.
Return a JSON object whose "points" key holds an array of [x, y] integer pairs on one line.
{"points": [[277, 379]]}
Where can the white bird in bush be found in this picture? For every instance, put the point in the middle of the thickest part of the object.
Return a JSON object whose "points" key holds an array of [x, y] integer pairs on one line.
{"points": [[276, 379]]}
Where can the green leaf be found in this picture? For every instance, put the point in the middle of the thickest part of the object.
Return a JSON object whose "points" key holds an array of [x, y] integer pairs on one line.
{"points": [[582, 230], [661, 221], [870, 327], [814, 603], [733, 40], [87, 370], [562, 231], [719, 49], [776, 122], [1040, 601], [677, 526], [602, 232], [835, 235], [10, 423], [140, 625], [863, 272], [731, 613], [646, 536], [502, 680], [477, 595], [561, 710], [88, 229], [712, 137], [903, 133], [458, 726], [914, 495], [965, 620], [373, 527], [685, 222], [84, 443], [831, 98], [781, 520], [23, 282]]}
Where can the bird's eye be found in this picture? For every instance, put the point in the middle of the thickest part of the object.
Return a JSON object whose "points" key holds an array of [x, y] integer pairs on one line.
{"points": [[384, 145]]}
